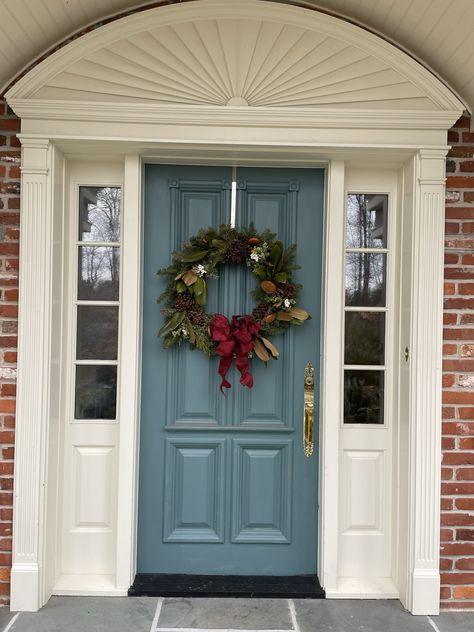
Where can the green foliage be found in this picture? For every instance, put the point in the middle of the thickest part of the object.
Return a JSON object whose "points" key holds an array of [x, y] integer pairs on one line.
{"points": [[200, 257]]}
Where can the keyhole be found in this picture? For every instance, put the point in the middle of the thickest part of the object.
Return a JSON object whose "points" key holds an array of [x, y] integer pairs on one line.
{"points": [[407, 354]]}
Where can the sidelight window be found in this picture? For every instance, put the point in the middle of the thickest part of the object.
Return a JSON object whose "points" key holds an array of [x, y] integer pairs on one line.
{"points": [[97, 302], [366, 257]]}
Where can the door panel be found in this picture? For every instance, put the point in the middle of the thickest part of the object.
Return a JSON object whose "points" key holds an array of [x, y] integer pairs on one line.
{"points": [[224, 485]]}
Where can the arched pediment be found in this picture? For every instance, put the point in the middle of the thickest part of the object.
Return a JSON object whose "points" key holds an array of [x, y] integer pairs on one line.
{"points": [[235, 53]]}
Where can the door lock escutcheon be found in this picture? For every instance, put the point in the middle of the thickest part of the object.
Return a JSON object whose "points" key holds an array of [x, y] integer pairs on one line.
{"points": [[308, 419]]}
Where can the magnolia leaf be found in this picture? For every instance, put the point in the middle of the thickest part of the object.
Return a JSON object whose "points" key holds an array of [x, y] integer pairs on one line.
{"points": [[178, 276], [181, 286], [300, 314], [172, 323], [200, 291], [260, 350], [219, 243], [268, 287], [286, 316], [269, 318], [260, 272], [190, 277], [169, 342], [192, 257], [276, 253], [270, 346]]}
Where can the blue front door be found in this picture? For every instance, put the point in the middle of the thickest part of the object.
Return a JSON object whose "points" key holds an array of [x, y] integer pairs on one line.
{"points": [[225, 488]]}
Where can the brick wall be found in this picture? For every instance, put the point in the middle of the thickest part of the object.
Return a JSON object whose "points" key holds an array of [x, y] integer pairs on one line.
{"points": [[457, 530], [9, 233], [457, 518]]}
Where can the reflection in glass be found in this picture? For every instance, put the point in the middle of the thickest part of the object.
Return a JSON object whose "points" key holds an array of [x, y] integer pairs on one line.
{"points": [[365, 279], [364, 338], [97, 332], [99, 269], [366, 220], [99, 214], [96, 392], [363, 397]]}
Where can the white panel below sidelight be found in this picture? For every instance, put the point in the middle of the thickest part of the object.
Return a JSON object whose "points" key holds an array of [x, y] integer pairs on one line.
{"points": [[362, 512]]}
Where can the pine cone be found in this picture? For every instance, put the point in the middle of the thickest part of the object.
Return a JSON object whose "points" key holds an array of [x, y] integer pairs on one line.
{"points": [[286, 290], [238, 250], [260, 311], [185, 302]]}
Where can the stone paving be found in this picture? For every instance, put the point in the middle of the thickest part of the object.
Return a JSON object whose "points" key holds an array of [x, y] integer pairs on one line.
{"points": [[148, 614]]}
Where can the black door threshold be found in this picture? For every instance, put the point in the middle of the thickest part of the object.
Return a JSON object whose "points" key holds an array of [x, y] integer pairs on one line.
{"points": [[165, 585]]}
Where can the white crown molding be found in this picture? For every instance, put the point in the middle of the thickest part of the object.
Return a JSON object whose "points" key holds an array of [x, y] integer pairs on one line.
{"points": [[441, 97], [126, 113]]}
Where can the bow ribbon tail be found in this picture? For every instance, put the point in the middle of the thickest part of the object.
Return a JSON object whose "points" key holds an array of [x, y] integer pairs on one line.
{"points": [[224, 366], [242, 363]]}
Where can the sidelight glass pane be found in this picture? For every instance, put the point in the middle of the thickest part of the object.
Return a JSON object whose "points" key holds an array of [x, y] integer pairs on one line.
{"points": [[97, 332], [96, 392], [99, 214], [98, 273], [364, 338], [366, 223], [365, 279], [363, 397]]}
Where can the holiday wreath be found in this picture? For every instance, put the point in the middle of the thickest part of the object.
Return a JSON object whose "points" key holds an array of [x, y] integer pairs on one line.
{"points": [[276, 297]]}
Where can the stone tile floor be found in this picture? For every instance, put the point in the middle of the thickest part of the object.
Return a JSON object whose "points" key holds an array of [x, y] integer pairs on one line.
{"points": [[147, 614]]}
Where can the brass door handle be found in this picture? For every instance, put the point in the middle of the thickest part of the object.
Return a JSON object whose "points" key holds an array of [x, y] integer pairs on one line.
{"points": [[308, 421]]}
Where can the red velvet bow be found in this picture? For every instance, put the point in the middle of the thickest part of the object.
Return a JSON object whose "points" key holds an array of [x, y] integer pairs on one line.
{"points": [[236, 339]]}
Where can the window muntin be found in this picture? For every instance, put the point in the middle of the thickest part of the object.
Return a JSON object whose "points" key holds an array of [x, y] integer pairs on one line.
{"points": [[97, 302], [365, 318]]}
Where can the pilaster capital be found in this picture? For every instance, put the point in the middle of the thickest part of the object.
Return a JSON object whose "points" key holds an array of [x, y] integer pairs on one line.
{"points": [[34, 155], [432, 166]]}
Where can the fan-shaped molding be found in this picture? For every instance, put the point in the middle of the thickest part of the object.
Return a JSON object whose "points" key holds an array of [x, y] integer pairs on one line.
{"points": [[236, 54]]}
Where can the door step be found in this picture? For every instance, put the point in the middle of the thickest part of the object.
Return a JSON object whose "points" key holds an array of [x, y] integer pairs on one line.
{"points": [[167, 585]]}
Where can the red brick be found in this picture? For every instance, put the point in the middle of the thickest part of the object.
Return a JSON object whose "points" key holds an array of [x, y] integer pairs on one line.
{"points": [[466, 288], [10, 357], [5, 574], [458, 397], [464, 592], [459, 212], [13, 203], [461, 152], [4, 589], [467, 137], [448, 380], [447, 504], [451, 228], [445, 592], [10, 311], [457, 489], [453, 137], [467, 165], [10, 124], [460, 182], [458, 365], [447, 473], [6, 559], [461, 243], [449, 318], [468, 196], [463, 122], [10, 295], [7, 437], [458, 273], [458, 334], [457, 605], [6, 513], [6, 468], [8, 390], [7, 405], [446, 535], [8, 453], [465, 474], [466, 413], [450, 349], [465, 504], [450, 258], [466, 443], [456, 519], [448, 443], [449, 288], [457, 578], [458, 458], [465, 534], [457, 548], [15, 141], [445, 564], [465, 564]]}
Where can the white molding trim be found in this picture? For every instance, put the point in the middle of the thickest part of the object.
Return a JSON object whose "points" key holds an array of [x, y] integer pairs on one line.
{"points": [[266, 117], [130, 372], [38, 76], [331, 375], [425, 382], [33, 395]]}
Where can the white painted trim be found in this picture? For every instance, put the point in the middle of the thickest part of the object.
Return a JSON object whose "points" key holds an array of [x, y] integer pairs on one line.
{"points": [[263, 117], [38, 76], [33, 394], [130, 371], [331, 375]]}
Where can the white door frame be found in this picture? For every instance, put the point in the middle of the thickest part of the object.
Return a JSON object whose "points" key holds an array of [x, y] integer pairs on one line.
{"points": [[410, 140]]}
